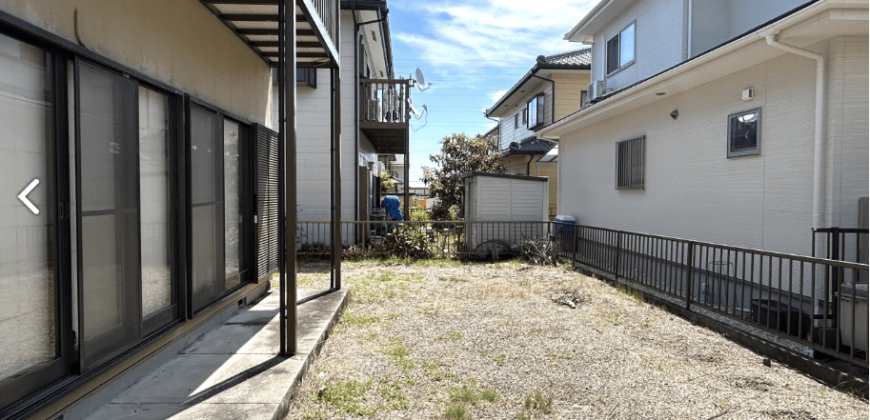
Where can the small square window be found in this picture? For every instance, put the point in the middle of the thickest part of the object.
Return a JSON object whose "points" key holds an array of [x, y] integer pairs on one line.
{"points": [[517, 121], [744, 133], [525, 116]]}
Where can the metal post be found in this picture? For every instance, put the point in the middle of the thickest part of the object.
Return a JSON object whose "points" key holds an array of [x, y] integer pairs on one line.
{"points": [[618, 252], [335, 100], [407, 116], [288, 38], [282, 119], [690, 274]]}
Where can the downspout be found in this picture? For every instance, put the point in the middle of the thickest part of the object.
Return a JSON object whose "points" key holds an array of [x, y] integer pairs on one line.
{"points": [[497, 127], [552, 97], [529, 165], [819, 150], [355, 112]]}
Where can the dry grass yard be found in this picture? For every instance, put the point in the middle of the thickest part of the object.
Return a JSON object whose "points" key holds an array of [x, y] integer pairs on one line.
{"points": [[445, 340]]}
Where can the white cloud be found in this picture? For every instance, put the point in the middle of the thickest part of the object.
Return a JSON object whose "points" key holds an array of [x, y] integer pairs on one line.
{"points": [[493, 33]]}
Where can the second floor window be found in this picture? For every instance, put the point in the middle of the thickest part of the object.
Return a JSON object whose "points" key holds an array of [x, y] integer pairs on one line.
{"points": [[620, 49], [535, 110]]}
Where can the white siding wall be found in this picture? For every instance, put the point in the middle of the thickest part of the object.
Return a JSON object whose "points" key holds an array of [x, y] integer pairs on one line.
{"points": [[694, 191], [847, 129], [313, 141], [716, 21], [510, 134], [658, 29]]}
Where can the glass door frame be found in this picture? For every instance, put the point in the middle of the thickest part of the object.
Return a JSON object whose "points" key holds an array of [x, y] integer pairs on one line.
{"points": [[247, 188]]}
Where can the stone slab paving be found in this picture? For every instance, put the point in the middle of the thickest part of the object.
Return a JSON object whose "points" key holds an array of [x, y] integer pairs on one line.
{"points": [[233, 371]]}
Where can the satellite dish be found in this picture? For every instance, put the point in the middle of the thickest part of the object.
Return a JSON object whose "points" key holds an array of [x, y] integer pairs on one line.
{"points": [[421, 80]]}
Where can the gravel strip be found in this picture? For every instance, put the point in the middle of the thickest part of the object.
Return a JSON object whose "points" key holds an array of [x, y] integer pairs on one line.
{"points": [[416, 336]]}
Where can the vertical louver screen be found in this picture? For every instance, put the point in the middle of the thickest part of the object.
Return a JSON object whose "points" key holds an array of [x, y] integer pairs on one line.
{"points": [[267, 202]]}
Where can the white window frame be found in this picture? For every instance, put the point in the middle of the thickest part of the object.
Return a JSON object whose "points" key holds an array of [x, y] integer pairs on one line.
{"points": [[620, 48]]}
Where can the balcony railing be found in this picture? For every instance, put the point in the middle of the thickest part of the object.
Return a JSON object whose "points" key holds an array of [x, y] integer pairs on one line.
{"points": [[327, 14], [386, 100]]}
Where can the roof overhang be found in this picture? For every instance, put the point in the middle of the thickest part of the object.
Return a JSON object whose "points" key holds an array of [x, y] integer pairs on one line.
{"points": [[600, 15], [531, 79], [807, 26], [256, 23], [371, 11]]}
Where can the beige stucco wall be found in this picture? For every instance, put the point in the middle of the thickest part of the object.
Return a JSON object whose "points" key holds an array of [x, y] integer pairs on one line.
{"points": [[694, 191], [178, 42]]}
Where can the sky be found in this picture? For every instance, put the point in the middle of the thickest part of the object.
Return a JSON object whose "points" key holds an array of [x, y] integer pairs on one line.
{"points": [[472, 51]]}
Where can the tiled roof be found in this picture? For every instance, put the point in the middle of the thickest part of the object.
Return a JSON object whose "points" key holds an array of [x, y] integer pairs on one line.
{"points": [[580, 59], [529, 146], [583, 56]]}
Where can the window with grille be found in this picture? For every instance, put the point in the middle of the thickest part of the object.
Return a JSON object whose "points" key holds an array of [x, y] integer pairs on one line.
{"points": [[630, 167]]}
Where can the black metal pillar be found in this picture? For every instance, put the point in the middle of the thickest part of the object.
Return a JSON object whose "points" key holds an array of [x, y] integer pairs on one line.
{"points": [[407, 168], [287, 174], [335, 129]]}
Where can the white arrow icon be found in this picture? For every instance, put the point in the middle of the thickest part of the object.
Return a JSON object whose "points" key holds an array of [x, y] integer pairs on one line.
{"points": [[23, 196]]}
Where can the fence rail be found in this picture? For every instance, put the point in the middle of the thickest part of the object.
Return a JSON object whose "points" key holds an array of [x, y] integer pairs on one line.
{"points": [[820, 304], [811, 301], [412, 239]]}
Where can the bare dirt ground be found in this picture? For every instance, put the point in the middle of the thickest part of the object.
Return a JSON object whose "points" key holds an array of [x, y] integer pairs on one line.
{"points": [[444, 340]]}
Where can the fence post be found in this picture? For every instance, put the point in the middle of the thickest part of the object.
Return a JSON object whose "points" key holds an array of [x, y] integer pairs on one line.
{"points": [[690, 274], [618, 252]]}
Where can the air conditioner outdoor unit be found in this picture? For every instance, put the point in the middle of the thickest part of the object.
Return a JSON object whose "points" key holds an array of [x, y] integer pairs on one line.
{"points": [[595, 89]]}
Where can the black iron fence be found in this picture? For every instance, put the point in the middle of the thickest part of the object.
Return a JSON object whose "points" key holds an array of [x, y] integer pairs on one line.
{"points": [[419, 240], [817, 303], [820, 304]]}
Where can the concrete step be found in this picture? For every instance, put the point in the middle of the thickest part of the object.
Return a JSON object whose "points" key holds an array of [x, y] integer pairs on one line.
{"points": [[233, 371]]}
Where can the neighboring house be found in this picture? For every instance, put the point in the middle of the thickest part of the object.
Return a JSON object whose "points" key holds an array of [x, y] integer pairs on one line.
{"points": [[531, 105], [707, 121], [374, 123], [137, 129]]}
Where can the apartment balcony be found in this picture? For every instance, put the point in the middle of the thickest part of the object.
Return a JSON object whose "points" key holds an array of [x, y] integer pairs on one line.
{"points": [[256, 23], [385, 112]]}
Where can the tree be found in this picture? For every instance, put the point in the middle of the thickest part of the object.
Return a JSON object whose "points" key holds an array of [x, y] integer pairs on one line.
{"points": [[459, 155]]}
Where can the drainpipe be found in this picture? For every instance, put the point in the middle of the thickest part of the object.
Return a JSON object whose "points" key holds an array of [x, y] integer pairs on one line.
{"points": [[497, 128], [819, 151], [529, 165], [552, 97]]}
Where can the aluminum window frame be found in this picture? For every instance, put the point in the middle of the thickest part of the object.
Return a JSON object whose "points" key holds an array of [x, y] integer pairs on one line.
{"points": [[630, 175], [754, 151], [538, 101], [618, 37]]}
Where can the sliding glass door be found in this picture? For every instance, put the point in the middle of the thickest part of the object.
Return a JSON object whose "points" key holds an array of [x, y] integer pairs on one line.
{"points": [[108, 208], [30, 345], [217, 174]]}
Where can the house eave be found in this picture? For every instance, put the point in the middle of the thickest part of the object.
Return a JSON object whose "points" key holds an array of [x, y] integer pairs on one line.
{"points": [[740, 53], [602, 13], [529, 76]]}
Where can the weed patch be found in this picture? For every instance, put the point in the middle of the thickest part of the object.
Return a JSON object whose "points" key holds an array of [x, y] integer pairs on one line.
{"points": [[347, 397], [456, 411], [452, 337]]}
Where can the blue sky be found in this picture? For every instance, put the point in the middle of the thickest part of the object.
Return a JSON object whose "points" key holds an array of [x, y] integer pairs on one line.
{"points": [[472, 52]]}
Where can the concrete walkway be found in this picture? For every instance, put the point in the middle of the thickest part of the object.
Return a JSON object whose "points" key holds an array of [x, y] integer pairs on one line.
{"points": [[234, 371]]}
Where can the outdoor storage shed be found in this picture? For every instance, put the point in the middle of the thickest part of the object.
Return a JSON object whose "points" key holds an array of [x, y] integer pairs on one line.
{"points": [[501, 209]]}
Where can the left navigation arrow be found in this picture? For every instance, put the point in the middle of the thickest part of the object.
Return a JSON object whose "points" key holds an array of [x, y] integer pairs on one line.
{"points": [[23, 196]]}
